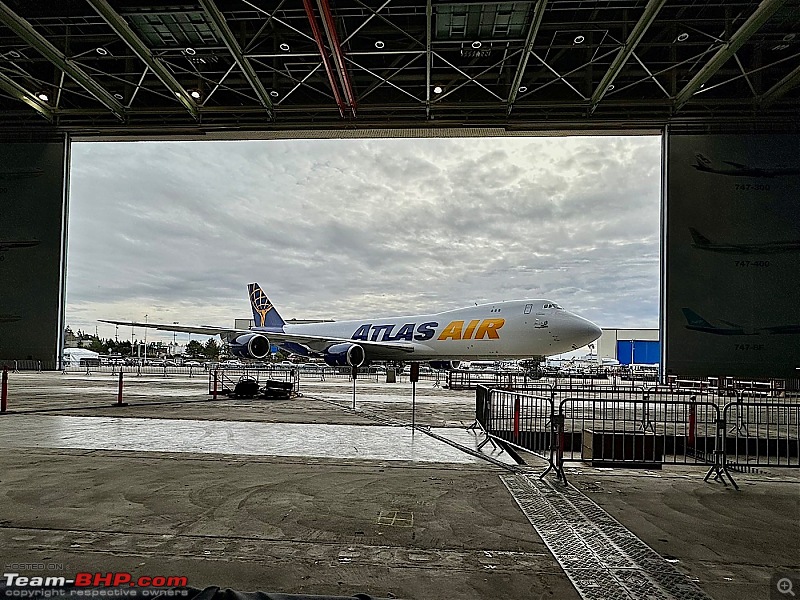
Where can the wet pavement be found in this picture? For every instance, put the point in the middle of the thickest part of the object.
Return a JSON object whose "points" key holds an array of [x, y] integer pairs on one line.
{"points": [[308, 496]]}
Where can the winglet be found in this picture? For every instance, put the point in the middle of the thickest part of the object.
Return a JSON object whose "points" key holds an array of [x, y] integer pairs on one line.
{"points": [[264, 314]]}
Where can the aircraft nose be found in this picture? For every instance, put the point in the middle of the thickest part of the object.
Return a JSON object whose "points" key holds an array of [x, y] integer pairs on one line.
{"points": [[584, 331]]}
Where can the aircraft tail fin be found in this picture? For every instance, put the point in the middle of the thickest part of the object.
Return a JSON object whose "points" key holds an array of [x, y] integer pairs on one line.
{"points": [[699, 238], [702, 160], [264, 314], [694, 319]]}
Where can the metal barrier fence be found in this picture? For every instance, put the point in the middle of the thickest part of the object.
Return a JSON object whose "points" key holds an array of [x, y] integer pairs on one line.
{"points": [[764, 434], [643, 427]]}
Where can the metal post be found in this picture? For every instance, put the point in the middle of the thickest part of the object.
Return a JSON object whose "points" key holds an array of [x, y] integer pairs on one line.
{"points": [[214, 393], [692, 422], [119, 391], [516, 419], [354, 374], [4, 396], [413, 405]]}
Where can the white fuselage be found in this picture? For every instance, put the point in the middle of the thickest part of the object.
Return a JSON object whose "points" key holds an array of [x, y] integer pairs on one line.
{"points": [[515, 329]]}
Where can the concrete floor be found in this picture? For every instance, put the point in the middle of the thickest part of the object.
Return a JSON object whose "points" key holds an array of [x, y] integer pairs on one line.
{"points": [[404, 518]]}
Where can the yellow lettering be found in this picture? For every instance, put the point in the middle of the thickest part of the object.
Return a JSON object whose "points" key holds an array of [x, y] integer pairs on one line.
{"points": [[489, 328], [452, 331], [470, 329]]}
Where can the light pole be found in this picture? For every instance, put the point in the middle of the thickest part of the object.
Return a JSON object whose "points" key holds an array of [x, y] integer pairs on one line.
{"points": [[145, 339]]}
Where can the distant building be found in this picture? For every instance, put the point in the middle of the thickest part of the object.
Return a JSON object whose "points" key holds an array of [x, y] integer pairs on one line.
{"points": [[70, 339], [630, 346]]}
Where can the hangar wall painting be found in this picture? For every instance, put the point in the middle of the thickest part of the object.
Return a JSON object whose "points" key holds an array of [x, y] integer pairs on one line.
{"points": [[32, 229], [732, 256]]}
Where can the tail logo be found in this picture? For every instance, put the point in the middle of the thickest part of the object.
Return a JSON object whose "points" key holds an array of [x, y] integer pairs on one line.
{"points": [[261, 304]]}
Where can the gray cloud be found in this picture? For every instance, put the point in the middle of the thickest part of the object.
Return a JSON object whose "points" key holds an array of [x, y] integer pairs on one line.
{"points": [[342, 229]]}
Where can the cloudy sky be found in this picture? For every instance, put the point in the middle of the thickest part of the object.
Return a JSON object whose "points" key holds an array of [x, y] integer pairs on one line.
{"points": [[351, 228]]}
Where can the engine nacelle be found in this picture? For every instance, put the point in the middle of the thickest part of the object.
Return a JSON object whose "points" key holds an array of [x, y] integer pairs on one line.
{"points": [[250, 345], [344, 355], [444, 365]]}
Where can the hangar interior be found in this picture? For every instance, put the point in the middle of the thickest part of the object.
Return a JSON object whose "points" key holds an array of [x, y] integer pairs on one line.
{"points": [[718, 76]]}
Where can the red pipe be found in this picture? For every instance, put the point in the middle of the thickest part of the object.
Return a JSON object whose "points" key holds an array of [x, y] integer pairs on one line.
{"points": [[325, 60], [338, 57], [4, 396]]}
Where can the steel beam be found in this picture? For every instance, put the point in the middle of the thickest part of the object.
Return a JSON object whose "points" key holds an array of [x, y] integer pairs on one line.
{"points": [[536, 21], [780, 88], [11, 87], [338, 58], [26, 31], [428, 57], [221, 25], [326, 61], [647, 18], [123, 30], [761, 15]]}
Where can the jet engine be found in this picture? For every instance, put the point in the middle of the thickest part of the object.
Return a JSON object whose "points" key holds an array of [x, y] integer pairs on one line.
{"points": [[444, 365], [250, 345], [344, 355]]}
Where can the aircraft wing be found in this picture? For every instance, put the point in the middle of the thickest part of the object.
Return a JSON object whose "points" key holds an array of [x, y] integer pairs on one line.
{"points": [[201, 329], [315, 342], [735, 164]]}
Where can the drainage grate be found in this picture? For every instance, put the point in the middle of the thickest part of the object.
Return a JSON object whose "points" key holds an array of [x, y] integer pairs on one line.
{"points": [[601, 557]]}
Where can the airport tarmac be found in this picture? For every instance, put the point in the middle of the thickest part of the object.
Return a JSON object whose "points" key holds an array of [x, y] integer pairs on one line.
{"points": [[308, 496]]}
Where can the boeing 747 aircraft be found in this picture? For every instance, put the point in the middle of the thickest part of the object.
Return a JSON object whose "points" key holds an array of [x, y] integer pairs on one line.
{"points": [[703, 243], [702, 163], [500, 330], [697, 323]]}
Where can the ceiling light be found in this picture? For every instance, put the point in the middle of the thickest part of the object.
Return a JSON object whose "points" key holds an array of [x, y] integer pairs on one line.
{"points": [[476, 44], [579, 39], [683, 37], [102, 51], [610, 87], [523, 88], [437, 89], [195, 94], [42, 96], [284, 46], [118, 96], [379, 45], [274, 94], [789, 37], [190, 51], [14, 54]]}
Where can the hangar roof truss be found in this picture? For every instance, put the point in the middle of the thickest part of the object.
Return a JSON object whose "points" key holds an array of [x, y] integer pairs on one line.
{"points": [[224, 67]]}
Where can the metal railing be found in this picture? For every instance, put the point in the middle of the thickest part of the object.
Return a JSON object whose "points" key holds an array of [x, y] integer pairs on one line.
{"points": [[643, 427]]}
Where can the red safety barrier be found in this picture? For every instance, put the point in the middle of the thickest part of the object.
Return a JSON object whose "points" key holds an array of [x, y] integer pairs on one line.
{"points": [[4, 396], [119, 391], [516, 419]]}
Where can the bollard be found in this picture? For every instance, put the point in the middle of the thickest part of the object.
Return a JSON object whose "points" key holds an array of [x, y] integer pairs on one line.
{"points": [[4, 395], [214, 393], [119, 391], [516, 419]]}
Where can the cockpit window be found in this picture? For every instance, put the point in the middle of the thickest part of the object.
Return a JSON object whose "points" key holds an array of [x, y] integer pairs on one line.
{"points": [[552, 305], [528, 308]]}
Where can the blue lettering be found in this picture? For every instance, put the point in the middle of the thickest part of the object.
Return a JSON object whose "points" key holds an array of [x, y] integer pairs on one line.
{"points": [[406, 332], [362, 333], [426, 331], [376, 331]]}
